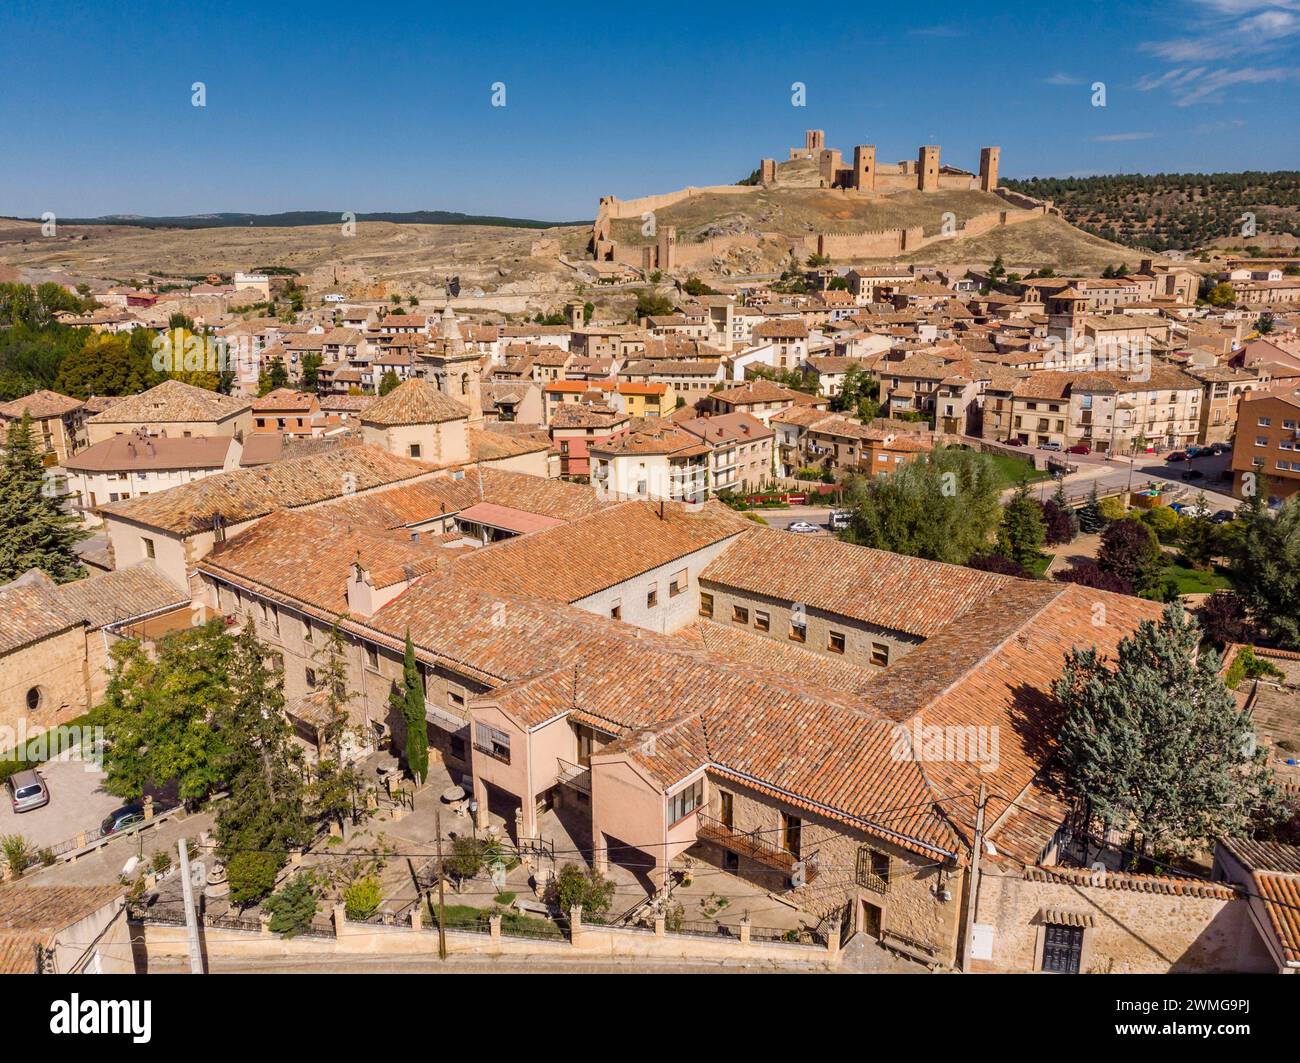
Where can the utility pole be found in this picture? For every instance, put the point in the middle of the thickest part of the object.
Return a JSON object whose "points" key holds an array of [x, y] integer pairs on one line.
{"points": [[972, 886], [191, 921], [442, 890]]}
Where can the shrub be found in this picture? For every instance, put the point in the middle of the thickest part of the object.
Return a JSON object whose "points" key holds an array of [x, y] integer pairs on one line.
{"points": [[1247, 666], [161, 862], [19, 853], [505, 898], [998, 563], [467, 859], [575, 886], [1223, 619], [363, 897], [1090, 574], [293, 907], [252, 876]]}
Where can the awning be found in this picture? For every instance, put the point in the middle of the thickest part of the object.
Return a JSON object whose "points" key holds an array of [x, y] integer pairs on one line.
{"points": [[506, 518], [1060, 917]]}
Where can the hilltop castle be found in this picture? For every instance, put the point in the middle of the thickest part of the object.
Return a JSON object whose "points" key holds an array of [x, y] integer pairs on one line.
{"points": [[925, 174]]}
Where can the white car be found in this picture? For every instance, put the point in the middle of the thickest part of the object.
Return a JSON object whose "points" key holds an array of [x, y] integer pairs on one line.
{"points": [[803, 527]]}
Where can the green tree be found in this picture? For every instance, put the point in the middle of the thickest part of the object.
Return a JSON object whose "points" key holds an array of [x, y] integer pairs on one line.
{"points": [[1023, 531], [109, 365], [1265, 567], [1220, 295], [293, 907], [1157, 746], [259, 761], [34, 531], [407, 698], [251, 876], [387, 382], [587, 888], [944, 507], [1130, 551], [159, 711], [332, 792], [311, 364]]}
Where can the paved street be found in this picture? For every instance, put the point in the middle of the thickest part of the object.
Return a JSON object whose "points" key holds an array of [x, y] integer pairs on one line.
{"points": [[78, 802]]}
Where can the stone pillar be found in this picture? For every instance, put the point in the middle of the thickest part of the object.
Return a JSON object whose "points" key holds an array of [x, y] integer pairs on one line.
{"points": [[575, 924], [481, 799], [661, 925], [927, 168], [989, 159], [340, 921], [417, 915], [494, 927], [148, 807], [744, 931], [767, 172], [833, 940]]}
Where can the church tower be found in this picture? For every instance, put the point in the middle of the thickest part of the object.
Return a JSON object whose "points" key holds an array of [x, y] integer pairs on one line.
{"points": [[455, 367]]}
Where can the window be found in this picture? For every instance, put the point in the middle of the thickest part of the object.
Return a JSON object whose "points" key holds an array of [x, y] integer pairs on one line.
{"points": [[311, 678], [1265, 422], [706, 605], [798, 631], [835, 643], [873, 869], [684, 802], [456, 699], [1062, 948], [740, 614], [372, 658], [148, 547], [415, 450], [879, 654], [34, 699], [791, 834], [678, 583], [492, 742], [306, 630], [616, 612], [762, 620], [652, 596], [728, 806]]}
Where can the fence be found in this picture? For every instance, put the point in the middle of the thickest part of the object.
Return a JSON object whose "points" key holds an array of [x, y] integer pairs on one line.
{"points": [[92, 838]]}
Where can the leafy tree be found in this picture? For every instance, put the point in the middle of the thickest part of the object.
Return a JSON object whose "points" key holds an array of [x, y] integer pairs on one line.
{"points": [[362, 898], [34, 531], [1166, 523], [293, 907], [1222, 617], [311, 364], [1245, 665], [1087, 573], [333, 790], [1220, 295], [251, 876], [651, 304], [1062, 523], [1157, 746], [586, 887], [1000, 564], [1023, 531], [943, 507], [408, 699], [109, 365], [1130, 551], [588, 308], [388, 381], [158, 713], [695, 286], [259, 761], [275, 376], [1199, 538], [1265, 567]]}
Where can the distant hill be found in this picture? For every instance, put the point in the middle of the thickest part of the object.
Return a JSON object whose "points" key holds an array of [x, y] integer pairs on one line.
{"points": [[1173, 212], [296, 218]]}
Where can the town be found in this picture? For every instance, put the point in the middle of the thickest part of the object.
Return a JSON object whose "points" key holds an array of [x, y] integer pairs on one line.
{"points": [[844, 596]]}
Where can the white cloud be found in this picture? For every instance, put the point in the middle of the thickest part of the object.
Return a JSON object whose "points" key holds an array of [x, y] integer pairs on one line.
{"points": [[1062, 79], [1111, 138]]}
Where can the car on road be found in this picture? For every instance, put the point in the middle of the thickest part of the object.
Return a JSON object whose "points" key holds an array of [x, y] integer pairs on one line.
{"points": [[121, 819], [1049, 446], [1079, 448], [1177, 455], [1193, 474], [1013, 442], [27, 790], [802, 527], [1223, 516]]}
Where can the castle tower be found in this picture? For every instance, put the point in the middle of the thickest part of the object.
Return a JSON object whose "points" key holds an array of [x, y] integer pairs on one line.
{"points": [[767, 173], [989, 168], [666, 248], [456, 367], [864, 167], [814, 140], [828, 166], [927, 168], [574, 312]]}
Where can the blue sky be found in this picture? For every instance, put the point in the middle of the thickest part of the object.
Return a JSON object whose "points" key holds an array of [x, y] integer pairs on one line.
{"points": [[388, 107]]}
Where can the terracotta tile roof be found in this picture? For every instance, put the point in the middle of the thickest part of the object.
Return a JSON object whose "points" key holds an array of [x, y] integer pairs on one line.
{"points": [[781, 330], [581, 415], [172, 400], [1264, 856], [32, 609], [487, 445], [1281, 898], [651, 436], [506, 518], [246, 494], [33, 915], [284, 399], [1168, 885], [413, 402], [764, 391], [576, 560], [43, 403], [132, 453], [122, 594], [726, 428], [852, 581]]}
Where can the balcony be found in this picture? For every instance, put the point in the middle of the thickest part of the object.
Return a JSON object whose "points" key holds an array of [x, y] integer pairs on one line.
{"points": [[754, 846], [574, 775]]}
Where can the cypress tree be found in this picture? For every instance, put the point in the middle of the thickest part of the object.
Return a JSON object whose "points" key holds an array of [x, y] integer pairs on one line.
{"points": [[34, 532], [412, 697]]}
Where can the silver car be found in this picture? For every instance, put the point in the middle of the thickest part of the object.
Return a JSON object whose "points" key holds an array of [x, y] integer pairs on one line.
{"points": [[27, 790]]}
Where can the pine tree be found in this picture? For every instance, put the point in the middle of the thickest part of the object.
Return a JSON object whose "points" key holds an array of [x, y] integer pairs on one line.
{"points": [[260, 763], [411, 694], [1266, 567], [1157, 746], [1021, 536], [1058, 500], [1090, 519], [34, 532]]}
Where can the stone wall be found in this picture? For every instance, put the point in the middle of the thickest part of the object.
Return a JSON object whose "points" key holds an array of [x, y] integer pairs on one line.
{"points": [[56, 668]]}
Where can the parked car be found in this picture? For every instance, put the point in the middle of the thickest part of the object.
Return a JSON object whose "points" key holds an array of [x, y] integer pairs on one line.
{"points": [[1013, 442], [1223, 516], [122, 818], [27, 790], [1177, 455], [1079, 448], [803, 527], [1049, 446], [1193, 474]]}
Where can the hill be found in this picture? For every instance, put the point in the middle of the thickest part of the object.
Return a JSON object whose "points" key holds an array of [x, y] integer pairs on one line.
{"points": [[299, 218], [1166, 212]]}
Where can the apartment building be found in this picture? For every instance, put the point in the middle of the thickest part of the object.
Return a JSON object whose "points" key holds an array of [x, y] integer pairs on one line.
{"points": [[58, 423], [740, 450], [173, 408], [1266, 453]]}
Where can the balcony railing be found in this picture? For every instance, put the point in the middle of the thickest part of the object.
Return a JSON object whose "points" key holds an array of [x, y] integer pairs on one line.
{"points": [[752, 845], [574, 775]]}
